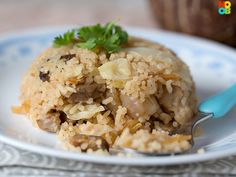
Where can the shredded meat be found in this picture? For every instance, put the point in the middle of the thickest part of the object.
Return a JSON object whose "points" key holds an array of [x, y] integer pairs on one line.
{"points": [[87, 91], [44, 76], [67, 57], [113, 106], [62, 117]]}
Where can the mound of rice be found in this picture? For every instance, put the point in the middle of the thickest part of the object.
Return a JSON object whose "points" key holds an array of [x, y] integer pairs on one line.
{"points": [[93, 101]]}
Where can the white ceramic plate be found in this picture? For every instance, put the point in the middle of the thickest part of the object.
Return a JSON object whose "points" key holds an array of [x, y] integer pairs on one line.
{"points": [[213, 67]]}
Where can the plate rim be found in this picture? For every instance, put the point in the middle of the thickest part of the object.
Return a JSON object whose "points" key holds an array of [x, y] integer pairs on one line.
{"points": [[116, 160]]}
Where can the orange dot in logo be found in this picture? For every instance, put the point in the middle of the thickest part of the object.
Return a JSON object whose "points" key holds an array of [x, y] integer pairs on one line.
{"points": [[227, 4]]}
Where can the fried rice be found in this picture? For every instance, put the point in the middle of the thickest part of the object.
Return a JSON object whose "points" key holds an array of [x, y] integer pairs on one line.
{"points": [[93, 101]]}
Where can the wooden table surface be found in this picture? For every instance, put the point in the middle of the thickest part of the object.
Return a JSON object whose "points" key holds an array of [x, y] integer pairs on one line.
{"points": [[24, 14]]}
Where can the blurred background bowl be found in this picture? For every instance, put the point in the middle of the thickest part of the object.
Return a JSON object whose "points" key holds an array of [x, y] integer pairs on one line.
{"points": [[196, 17]]}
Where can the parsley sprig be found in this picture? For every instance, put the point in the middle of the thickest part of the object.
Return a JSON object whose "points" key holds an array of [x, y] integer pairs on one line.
{"points": [[109, 37]]}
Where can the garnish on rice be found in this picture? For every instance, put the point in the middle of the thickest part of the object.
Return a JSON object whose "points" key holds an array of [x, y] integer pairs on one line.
{"points": [[109, 37]]}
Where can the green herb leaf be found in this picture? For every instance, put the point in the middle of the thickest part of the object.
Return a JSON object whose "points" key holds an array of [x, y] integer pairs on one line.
{"points": [[65, 39], [89, 44], [109, 37]]}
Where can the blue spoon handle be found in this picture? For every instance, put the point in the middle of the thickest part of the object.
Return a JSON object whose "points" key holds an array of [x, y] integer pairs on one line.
{"points": [[220, 103]]}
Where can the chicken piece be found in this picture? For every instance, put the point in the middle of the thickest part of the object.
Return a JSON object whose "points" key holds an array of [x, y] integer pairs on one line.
{"points": [[137, 109], [51, 122]]}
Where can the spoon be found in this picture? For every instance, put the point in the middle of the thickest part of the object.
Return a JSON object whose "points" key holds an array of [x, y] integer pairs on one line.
{"points": [[213, 107]]}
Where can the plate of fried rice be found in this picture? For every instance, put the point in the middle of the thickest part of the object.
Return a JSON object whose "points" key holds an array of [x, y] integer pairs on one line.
{"points": [[82, 92]]}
